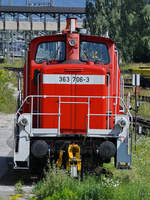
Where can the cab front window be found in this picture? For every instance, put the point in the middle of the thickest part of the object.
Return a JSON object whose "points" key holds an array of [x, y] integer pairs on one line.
{"points": [[50, 51], [96, 52]]}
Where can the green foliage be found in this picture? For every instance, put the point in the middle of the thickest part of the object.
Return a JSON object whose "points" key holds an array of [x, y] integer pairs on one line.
{"points": [[142, 47], [127, 23], [124, 185], [7, 80], [55, 180], [65, 194], [59, 185], [97, 189], [7, 100], [18, 187], [135, 191], [18, 62]]}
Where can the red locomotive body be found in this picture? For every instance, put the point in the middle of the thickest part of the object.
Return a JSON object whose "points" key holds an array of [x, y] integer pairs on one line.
{"points": [[72, 112]]}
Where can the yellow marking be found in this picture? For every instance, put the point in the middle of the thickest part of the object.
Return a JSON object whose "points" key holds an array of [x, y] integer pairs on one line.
{"points": [[141, 71]]}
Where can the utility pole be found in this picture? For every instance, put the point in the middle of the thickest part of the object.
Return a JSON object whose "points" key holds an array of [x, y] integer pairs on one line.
{"points": [[135, 84], [10, 2], [51, 3], [27, 2], [58, 24]]}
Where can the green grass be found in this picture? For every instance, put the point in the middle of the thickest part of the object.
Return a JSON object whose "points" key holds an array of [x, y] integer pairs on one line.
{"points": [[140, 165], [131, 184], [144, 106], [18, 62], [58, 185], [18, 187], [7, 100]]}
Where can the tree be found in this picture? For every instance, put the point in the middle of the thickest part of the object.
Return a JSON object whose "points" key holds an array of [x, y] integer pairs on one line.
{"points": [[119, 18], [142, 49]]}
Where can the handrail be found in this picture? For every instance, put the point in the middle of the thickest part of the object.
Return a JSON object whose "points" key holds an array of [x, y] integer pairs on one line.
{"points": [[87, 97], [84, 102], [107, 114]]}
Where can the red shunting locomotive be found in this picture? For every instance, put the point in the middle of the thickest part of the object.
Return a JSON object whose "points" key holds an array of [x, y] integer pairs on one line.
{"points": [[72, 111]]}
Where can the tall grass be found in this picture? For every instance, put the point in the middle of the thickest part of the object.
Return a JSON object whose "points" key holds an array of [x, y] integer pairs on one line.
{"points": [[58, 185], [18, 62], [7, 100], [131, 184]]}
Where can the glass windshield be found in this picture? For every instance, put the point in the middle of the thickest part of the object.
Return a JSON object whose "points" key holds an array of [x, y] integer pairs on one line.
{"points": [[96, 52], [50, 51]]}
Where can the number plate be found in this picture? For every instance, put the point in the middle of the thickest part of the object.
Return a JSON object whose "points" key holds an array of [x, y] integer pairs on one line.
{"points": [[73, 79]]}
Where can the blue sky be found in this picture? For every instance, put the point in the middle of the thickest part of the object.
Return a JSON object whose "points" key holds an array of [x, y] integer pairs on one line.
{"points": [[62, 3]]}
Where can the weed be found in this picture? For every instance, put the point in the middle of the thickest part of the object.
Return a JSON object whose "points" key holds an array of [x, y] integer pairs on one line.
{"points": [[7, 100], [18, 187], [124, 185]]}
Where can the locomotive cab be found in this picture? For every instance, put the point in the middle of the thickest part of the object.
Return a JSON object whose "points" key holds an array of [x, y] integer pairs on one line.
{"points": [[72, 112]]}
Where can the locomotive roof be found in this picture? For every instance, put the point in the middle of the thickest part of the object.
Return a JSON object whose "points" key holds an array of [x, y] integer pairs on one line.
{"points": [[87, 37]]}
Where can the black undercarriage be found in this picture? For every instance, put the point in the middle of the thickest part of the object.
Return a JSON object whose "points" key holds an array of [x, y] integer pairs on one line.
{"points": [[93, 151]]}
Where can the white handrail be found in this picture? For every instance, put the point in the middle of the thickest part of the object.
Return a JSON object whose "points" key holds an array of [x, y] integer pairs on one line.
{"points": [[72, 102]]}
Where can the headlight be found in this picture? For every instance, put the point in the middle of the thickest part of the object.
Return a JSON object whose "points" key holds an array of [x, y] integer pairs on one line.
{"points": [[122, 123], [72, 42], [23, 121]]}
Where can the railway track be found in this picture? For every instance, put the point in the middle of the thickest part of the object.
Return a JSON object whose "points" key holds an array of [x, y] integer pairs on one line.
{"points": [[142, 98], [143, 125]]}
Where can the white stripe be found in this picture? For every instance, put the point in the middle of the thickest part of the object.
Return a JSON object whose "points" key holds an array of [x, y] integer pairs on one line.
{"points": [[73, 79]]}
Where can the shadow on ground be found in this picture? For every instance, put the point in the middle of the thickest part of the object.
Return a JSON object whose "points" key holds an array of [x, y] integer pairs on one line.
{"points": [[11, 176]]}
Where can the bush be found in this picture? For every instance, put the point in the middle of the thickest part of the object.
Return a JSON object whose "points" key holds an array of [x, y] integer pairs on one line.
{"points": [[7, 100], [134, 191], [8, 78], [65, 194], [55, 182], [58, 185]]}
